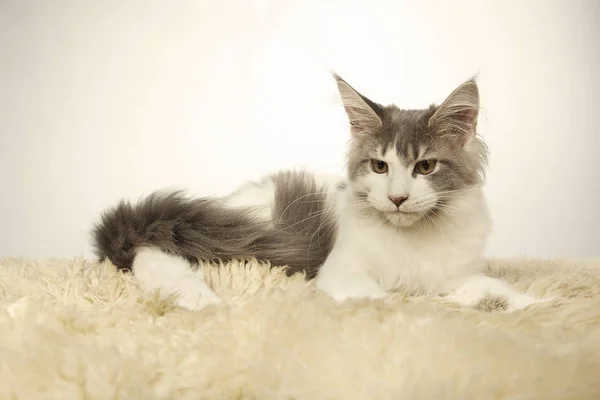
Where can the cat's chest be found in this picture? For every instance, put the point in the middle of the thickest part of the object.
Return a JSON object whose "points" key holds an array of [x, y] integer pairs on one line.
{"points": [[418, 263]]}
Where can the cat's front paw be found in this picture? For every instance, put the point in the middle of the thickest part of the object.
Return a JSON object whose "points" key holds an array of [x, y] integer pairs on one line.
{"points": [[514, 301], [471, 290]]}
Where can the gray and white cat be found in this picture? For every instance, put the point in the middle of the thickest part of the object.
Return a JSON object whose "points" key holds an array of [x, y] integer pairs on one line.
{"points": [[410, 214]]}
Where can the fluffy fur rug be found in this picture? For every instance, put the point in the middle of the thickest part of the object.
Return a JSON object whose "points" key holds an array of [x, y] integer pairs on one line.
{"points": [[71, 329]]}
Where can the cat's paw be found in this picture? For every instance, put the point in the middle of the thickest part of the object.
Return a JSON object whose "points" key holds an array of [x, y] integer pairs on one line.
{"points": [[514, 301], [471, 290], [197, 299]]}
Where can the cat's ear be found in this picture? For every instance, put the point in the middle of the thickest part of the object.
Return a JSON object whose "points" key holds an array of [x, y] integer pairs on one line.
{"points": [[457, 116], [365, 116]]}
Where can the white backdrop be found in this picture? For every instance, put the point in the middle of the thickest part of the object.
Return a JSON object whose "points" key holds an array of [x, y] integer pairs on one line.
{"points": [[100, 100]]}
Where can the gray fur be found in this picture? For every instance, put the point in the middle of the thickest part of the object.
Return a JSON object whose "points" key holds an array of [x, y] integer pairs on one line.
{"points": [[300, 235]]}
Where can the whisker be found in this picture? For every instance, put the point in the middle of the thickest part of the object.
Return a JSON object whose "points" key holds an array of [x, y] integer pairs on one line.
{"points": [[300, 198], [315, 214], [323, 224]]}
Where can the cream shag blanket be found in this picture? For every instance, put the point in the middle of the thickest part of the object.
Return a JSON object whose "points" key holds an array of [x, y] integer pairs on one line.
{"points": [[71, 329]]}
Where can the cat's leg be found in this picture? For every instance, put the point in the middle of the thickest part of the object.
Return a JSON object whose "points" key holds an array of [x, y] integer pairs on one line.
{"points": [[157, 270], [342, 279], [469, 291]]}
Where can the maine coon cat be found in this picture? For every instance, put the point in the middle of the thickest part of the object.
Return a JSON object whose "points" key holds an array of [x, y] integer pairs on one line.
{"points": [[409, 214]]}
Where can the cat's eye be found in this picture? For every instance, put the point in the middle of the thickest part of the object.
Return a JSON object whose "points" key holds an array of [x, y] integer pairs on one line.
{"points": [[425, 167], [379, 167]]}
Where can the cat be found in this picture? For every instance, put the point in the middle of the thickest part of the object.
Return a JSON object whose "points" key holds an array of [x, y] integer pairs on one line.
{"points": [[409, 214]]}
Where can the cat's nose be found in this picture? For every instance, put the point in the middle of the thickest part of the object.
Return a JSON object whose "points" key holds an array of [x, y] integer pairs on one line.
{"points": [[398, 200]]}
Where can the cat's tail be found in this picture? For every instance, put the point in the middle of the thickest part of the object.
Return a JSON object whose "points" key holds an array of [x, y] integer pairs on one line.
{"points": [[196, 229], [299, 233]]}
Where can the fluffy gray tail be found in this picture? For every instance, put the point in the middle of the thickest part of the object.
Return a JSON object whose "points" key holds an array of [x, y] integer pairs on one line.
{"points": [[299, 236]]}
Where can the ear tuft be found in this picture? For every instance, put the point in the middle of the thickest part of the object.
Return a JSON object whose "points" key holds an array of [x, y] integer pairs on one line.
{"points": [[363, 114], [457, 116]]}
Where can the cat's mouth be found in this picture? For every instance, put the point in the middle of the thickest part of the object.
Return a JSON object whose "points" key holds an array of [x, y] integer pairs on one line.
{"points": [[403, 218], [408, 218]]}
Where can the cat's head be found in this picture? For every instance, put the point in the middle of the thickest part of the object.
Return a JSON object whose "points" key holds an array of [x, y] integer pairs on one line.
{"points": [[408, 166]]}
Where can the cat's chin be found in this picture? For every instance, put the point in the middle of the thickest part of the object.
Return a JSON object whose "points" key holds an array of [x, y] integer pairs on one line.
{"points": [[403, 219]]}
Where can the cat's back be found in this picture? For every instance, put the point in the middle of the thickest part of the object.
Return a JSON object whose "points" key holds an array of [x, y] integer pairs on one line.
{"points": [[285, 193]]}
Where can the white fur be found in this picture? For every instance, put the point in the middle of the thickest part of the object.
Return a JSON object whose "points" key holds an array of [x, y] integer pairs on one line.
{"points": [[172, 275], [371, 258], [256, 195], [419, 261]]}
